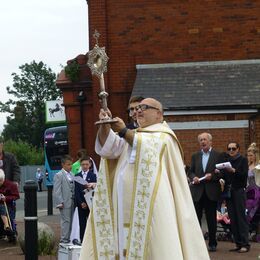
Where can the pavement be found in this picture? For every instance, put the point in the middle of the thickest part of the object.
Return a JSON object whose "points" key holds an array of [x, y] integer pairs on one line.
{"points": [[10, 251]]}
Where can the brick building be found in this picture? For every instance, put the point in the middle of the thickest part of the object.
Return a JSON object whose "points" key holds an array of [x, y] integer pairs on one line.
{"points": [[201, 59]]}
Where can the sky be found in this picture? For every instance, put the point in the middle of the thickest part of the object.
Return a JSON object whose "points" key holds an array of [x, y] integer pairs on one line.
{"points": [[51, 31]]}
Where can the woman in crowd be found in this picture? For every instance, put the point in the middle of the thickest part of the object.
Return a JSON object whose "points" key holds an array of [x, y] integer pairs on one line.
{"points": [[253, 161], [236, 178], [253, 191]]}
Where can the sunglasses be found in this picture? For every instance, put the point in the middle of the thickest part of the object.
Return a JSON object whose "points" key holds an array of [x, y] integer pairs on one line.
{"points": [[144, 107], [232, 148]]}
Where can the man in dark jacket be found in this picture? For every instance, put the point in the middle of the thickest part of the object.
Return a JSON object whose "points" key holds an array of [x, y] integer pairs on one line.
{"points": [[9, 165], [206, 192]]}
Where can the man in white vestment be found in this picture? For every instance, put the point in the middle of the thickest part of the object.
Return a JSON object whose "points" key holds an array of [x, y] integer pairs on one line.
{"points": [[142, 208]]}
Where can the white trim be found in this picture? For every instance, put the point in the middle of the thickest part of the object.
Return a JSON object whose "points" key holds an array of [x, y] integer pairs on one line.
{"points": [[209, 124], [209, 112], [193, 64]]}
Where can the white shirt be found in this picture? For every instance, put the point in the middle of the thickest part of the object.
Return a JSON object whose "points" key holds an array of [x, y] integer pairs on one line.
{"points": [[205, 158], [84, 175]]}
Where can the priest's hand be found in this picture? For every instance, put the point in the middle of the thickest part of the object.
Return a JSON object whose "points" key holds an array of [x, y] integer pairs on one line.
{"points": [[104, 129], [105, 114], [119, 125]]}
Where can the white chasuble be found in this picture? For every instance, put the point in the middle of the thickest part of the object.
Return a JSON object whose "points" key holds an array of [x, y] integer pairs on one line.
{"points": [[158, 214]]}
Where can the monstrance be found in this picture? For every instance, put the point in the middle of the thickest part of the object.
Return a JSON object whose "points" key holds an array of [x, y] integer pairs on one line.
{"points": [[97, 62]]}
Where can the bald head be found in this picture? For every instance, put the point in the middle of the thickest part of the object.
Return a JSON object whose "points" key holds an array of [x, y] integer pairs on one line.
{"points": [[154, 103], [150, 114]]}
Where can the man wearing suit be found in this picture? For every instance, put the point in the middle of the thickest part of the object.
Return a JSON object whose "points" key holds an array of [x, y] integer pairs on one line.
{"points": [[63, 194], [206, 193], [88, 175]]}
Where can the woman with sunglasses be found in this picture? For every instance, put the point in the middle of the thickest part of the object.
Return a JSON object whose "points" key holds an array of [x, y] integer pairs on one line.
{"points": [[236, 178]]}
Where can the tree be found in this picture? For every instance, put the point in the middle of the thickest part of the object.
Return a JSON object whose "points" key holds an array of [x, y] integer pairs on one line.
{"points": [[25, 153], [31, 88]]}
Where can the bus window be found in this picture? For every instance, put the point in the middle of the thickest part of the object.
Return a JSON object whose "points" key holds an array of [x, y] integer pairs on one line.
{"points": [[55, 147]]}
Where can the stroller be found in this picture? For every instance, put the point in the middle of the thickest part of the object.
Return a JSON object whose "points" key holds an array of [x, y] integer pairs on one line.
{"points": [[223, 223], [253, 211], [11, 236]]}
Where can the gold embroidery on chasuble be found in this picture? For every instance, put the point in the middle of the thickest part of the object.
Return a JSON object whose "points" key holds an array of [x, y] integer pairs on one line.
{"points": [[102, 217], [146, 181]]}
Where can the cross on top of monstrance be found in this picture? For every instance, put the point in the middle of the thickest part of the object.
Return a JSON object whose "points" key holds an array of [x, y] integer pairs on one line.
{"points": [[96, 35], [97, 62]]}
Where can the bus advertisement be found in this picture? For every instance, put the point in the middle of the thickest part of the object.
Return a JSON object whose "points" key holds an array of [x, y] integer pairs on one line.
{"points": [[55, 147]]}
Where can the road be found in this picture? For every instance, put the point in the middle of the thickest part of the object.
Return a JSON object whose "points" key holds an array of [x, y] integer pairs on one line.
{"points": [[41, 205]]}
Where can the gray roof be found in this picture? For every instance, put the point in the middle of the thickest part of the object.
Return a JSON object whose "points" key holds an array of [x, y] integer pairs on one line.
{"points": [[201, 84]]}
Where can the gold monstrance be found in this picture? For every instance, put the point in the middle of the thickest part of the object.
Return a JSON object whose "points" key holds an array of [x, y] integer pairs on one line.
{"points": [[97, 62]]}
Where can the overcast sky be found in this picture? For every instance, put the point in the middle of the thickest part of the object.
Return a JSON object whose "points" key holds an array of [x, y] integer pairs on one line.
{"points": [[52, 31]]}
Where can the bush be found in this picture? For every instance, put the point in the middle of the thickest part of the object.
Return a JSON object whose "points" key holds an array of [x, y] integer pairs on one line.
{"points": [[46, 240], [25, 153]]}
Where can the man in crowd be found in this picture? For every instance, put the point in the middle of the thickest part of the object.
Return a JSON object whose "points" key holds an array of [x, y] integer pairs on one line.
{"points": [[9, 164], [142, 208], [132, 112], [39, 177], [206, 192]]}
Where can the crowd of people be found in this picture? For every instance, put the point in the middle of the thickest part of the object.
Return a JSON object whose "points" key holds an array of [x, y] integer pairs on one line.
{"points": [[146, 200]]}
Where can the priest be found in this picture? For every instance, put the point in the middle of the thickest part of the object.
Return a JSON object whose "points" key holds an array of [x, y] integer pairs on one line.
{"points": [[142, 208]]}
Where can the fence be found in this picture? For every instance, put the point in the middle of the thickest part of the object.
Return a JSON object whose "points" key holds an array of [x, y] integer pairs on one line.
{"points": [[28, 173]]}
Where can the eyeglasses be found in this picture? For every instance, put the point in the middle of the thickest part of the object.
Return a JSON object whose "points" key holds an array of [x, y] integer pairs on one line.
{"points": [[232, 148], [144, 107], [130, 110]]}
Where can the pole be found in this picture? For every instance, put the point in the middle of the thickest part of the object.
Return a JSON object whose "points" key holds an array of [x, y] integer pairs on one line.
{"points": [[50, 203], [81, 98], [30, 220]]}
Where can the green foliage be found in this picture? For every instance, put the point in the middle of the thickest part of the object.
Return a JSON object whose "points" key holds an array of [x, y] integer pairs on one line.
{"points": [[25, 153], [72, 71], [46, 240], [45, 244], [31, 89]]}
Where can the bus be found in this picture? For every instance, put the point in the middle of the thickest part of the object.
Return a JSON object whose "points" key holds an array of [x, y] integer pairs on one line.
{"points": [[55, 147]]}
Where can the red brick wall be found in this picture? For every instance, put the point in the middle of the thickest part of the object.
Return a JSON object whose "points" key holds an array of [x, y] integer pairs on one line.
{"points": [[221, 137], [141, 32]]}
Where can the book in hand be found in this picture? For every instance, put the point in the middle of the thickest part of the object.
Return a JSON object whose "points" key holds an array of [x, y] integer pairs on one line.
{"points": [[200, 179], [224, 165], [89, 195], [80, 180]]}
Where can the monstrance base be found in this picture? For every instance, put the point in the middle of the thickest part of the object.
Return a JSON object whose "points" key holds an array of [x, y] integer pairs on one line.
{"points": [[106, 121]]}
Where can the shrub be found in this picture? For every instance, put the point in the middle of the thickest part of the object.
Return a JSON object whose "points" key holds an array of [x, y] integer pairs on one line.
{"points": [[25, 153], [46, 240]]}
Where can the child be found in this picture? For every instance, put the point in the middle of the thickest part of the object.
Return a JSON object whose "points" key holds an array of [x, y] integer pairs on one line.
{"points": [[63, 193]]}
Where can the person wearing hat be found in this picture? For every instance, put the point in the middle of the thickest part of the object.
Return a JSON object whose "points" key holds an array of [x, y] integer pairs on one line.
{"points": [[39, 177], [9, 164]]}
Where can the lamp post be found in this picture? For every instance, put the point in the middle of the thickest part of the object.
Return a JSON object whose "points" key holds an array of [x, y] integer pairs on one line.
{"points": [[81, 98]]}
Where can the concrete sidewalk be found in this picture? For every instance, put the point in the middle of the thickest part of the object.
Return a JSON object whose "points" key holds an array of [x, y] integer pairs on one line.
{"points": [[13, 252], [9, 251]]}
